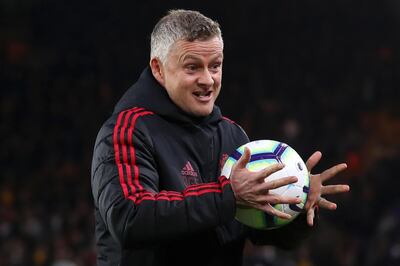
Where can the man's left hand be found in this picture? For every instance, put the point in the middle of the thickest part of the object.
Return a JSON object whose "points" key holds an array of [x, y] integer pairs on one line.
{"points": [[317, 189]]}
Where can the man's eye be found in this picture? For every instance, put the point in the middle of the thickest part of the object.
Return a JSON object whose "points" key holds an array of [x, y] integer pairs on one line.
{"points": [[216, 66], [191, 67]]}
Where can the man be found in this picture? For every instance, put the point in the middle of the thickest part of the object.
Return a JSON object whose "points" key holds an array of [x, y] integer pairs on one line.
{"points": [[159, 196]]}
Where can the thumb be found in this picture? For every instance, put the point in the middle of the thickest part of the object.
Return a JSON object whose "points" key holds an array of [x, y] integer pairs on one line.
{"points": [[244, 159]]}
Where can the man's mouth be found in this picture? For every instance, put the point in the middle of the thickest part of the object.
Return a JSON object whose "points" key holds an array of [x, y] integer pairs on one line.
{"points": [[203, 96], [202, 93]]}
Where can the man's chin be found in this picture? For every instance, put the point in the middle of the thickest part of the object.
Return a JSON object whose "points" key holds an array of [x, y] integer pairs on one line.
{"points": [[201, 112]]}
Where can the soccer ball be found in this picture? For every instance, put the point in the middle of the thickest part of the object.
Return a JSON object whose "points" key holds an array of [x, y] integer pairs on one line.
{"points": [[263, 154]]}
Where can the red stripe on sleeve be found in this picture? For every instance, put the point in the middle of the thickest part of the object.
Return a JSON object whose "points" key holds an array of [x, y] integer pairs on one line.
{"points": [[119, 139], [132, 149], [128, 168], [117, 154]]}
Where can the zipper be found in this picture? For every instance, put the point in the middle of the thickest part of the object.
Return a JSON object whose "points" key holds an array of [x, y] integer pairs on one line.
{"points": [[210, 174], [213, 165]]}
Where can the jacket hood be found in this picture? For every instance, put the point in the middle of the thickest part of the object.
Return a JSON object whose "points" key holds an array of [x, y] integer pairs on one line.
{"points": [[149, 94]]}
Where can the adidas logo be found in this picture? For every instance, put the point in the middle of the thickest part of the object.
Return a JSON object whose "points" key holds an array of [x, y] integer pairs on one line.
{"points": [[188, 170]]}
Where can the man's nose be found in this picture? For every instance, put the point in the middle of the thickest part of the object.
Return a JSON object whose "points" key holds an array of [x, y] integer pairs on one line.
{"points": [[206, 79]]}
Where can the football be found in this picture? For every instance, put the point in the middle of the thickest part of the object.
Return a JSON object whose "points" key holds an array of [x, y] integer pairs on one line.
{"points": [[263, 154]]}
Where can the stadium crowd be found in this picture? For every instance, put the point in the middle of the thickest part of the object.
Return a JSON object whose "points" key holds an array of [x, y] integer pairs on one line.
{"points": [[318, 76]]}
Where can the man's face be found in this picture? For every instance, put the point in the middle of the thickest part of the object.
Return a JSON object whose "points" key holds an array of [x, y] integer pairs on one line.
{"points": [[192, 75]]}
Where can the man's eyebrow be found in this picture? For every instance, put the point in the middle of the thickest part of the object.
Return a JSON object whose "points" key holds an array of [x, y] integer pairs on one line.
{"points": [[189, 56], [196, 58]]}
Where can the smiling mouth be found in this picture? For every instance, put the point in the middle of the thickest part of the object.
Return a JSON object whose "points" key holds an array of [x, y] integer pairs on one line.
{"points": [[200, 94]]}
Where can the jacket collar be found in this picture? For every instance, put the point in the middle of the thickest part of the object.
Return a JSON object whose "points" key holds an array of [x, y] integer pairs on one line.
{"points": [[149, 94]]}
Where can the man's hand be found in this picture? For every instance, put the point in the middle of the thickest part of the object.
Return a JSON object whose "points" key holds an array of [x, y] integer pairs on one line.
{"points": [[317, 189], [251, 189]]}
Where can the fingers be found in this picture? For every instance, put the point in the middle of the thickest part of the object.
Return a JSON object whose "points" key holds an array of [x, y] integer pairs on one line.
{"points": [[326, 204], [265, 186], [315, 191], [327, 174], [310, 216], [322, 203], [274, 212], [267, 171], [313, 160], [334, 189], [244, 159], [277, 199]]}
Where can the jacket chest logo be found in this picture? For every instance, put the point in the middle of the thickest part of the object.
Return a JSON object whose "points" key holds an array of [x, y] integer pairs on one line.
{"points": [[189, 175]]}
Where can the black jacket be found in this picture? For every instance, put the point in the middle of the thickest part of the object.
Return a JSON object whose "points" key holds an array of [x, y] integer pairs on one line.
{"points": [[159, 199]]}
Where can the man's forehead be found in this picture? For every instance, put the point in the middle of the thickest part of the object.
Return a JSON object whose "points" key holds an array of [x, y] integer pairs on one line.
{"points": [[196, 49], [195, 56]]}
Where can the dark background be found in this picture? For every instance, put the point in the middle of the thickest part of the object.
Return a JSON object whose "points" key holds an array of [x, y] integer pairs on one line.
{"points": [[318, 75]]}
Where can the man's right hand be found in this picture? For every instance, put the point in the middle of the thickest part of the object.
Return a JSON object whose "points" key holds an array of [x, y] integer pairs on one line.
{"points": [[252, 190]]}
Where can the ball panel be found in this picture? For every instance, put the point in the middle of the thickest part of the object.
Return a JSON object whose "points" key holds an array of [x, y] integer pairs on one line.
{"points": [[251, 217], [258, 165]]}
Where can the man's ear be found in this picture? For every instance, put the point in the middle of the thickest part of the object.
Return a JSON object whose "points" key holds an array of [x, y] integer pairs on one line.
{"points": [[157, 70]]}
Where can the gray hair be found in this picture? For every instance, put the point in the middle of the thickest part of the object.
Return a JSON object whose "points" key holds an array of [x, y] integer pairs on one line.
{"points": [[178, 25]]}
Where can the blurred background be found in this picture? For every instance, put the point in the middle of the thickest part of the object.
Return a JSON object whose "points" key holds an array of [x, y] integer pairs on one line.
{"points": [[318, 75]]}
